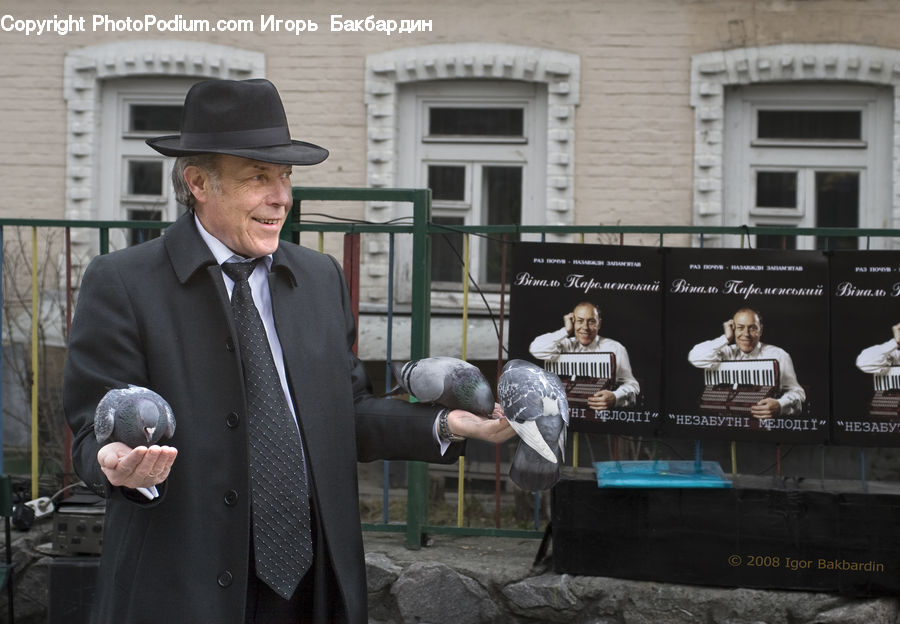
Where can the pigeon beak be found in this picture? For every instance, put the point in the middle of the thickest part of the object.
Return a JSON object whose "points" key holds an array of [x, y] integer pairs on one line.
{"points": [[530, 434], [149, 431]]}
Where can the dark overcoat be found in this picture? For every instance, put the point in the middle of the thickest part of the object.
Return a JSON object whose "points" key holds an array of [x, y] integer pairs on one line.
{"points": [[157, 315]]}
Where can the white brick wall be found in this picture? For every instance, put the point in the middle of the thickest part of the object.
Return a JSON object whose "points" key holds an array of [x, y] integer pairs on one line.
{"points": [[646, 128], [634, 123]]}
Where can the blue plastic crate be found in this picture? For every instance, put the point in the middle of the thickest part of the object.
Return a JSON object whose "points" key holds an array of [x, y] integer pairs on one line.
{"points": [[661, 473]]}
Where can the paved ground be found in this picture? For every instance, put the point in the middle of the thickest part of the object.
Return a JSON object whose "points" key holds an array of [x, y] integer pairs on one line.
{"points": [[502, 560]]}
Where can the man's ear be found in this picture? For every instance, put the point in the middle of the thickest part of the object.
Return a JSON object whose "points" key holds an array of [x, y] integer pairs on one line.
{"points": [[198, 182]]}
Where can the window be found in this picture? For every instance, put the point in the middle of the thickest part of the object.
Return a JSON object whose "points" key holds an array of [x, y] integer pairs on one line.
{"points": [[807, 155], [478, 147], [452, 110], [135, 180], [117, 94]]}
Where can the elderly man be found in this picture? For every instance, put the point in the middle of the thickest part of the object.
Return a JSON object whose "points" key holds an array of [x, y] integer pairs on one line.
{"points": [[236, 534], [580, 334], [741, 341]]}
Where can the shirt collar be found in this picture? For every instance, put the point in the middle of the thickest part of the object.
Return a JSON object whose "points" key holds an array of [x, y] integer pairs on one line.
{"points": [[219, 250], [757, 350]]}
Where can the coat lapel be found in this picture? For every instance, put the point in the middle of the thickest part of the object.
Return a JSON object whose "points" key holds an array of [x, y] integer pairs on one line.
{"points": [[187, 251]]}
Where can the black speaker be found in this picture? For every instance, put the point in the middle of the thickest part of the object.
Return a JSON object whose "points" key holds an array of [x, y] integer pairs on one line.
{"points": [[72, 584]]}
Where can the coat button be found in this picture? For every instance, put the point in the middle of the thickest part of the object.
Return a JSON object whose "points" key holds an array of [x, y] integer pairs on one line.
{"points": [[231, 498], [225, 579], [229, 344], [232, 420]]}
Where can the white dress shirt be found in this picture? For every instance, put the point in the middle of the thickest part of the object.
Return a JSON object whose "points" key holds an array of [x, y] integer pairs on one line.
{"points": [[877, 359], [259, 286]]}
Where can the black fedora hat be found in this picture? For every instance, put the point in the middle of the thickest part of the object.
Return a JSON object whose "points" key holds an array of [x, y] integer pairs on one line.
{"points": [[237, 117]]}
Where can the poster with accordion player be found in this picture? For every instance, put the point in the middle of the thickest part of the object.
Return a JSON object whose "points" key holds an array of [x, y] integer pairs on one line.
{"points": [[592, 315], [746, 344], [865, 347]]}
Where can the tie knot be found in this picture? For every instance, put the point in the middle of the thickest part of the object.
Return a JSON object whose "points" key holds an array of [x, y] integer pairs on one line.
{"points": [[239, 271]]}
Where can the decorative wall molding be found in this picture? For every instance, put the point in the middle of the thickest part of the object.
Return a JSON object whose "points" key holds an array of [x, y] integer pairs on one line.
{"points": [[711, 72], [84, 70], [560, 71]]}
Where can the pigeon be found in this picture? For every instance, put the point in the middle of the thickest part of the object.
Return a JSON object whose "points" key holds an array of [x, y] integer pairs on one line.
{"points": [[446, 381], [135, 416], [534, 402]]}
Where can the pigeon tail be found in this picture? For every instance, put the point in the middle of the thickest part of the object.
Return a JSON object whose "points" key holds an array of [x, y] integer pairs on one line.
{"points": [[531, 435]]}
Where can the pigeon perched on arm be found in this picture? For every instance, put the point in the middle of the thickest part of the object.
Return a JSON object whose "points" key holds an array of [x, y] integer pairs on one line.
{"points": [[534, 402], [446, 381], [134, 416]]}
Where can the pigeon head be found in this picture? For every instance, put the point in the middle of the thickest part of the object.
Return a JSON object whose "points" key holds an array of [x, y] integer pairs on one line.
{"points": [[148, 415]]}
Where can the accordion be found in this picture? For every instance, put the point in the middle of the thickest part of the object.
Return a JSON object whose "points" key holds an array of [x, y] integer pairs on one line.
{"points": [[734, 387], [583, 375], [885, 402]]}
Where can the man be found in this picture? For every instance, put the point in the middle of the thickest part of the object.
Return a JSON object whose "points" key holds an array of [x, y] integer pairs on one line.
{"points": [[158, 315], [741, 341], [877, 359], [580, 334]]}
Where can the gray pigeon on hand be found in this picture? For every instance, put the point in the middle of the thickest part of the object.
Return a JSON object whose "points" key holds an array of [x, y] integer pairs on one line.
{"points": [[135, 416], [534, 402], [446, 381]]}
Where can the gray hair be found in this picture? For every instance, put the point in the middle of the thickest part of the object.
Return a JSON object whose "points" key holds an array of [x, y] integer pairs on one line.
{"points": [[207, 162]]}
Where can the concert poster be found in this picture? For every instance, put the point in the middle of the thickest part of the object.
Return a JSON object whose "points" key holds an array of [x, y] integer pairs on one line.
{"points": [[553, 280], [767, 311], [865, 310]]}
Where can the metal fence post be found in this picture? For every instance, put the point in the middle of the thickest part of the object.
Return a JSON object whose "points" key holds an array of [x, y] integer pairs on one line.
{"points": [[417, 472]]}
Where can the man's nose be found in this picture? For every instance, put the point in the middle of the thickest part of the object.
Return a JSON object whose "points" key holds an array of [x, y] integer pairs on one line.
{"points": [[280, 193]]}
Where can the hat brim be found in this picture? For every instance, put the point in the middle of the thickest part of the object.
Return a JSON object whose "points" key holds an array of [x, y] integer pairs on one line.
{"points": [[294, 153]]}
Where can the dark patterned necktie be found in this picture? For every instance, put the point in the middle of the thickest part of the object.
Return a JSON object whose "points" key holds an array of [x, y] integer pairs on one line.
{"points": [[282, 539]]}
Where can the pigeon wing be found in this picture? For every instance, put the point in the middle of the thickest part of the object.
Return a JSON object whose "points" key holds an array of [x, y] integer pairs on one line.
{"points": [[524, 398], [466, 388], [105, 416], [423, 379], [170, 421]]}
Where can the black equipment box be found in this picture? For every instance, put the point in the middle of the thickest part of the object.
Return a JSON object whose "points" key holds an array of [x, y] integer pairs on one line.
{"points": [[78, 525], [816, 540], [73, 581]]}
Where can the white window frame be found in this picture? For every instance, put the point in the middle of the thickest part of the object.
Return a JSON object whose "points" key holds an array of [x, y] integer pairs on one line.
{"points": [[119, 146], [474, 153], [828, 64], [85, 71], [745, 154], [558, 71]]}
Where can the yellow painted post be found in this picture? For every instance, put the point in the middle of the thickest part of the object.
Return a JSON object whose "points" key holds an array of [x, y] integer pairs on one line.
{"points": [[35, 318], [460, 479], [321, 242]]}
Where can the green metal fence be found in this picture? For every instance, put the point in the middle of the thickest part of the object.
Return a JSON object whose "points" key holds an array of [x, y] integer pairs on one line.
{"points": [[422, 230]]}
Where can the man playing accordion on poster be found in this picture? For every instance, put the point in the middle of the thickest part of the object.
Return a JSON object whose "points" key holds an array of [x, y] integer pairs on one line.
{"points": [[740, 342], [882, 361], [580, 335]]}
